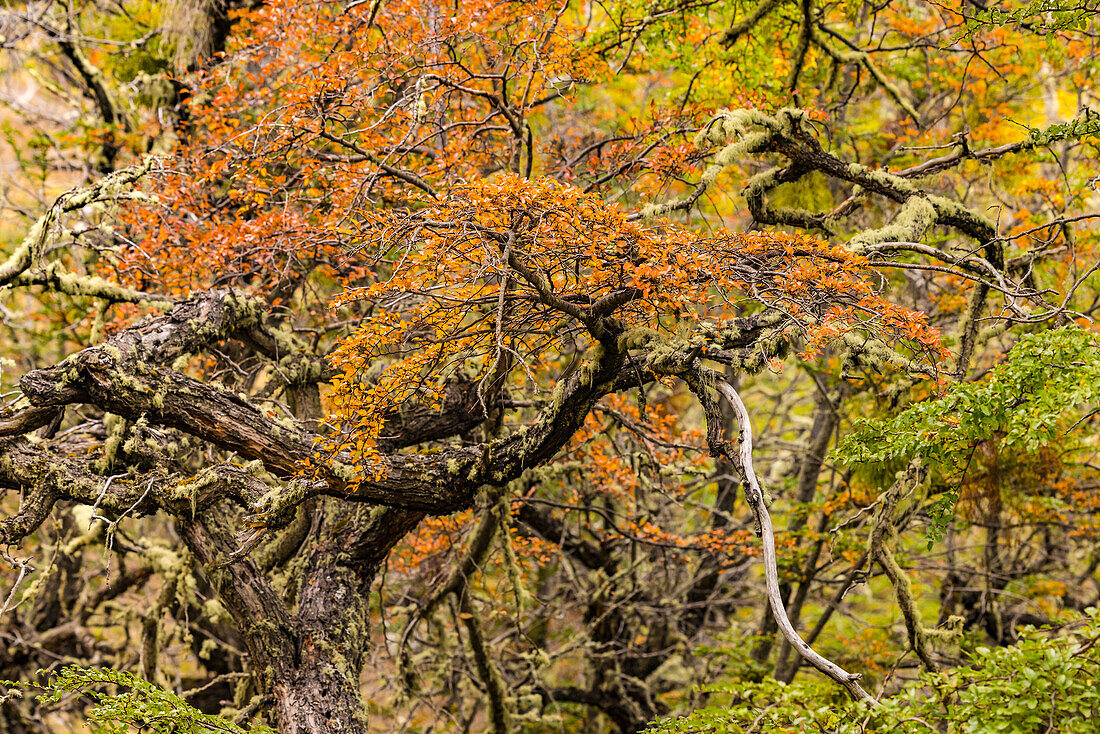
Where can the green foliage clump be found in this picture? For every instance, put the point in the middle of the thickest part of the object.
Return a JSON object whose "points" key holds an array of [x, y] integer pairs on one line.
{"points": [[1044, 683], [122, 702], [1086, 125], [1040, 16], [1023, 403]]}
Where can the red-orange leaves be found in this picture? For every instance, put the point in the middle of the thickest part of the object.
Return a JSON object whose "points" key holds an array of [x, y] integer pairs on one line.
{"points": [[507, 282]]}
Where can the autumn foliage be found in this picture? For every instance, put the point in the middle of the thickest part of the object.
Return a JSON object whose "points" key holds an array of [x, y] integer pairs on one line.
{"points": [[382, 353]]}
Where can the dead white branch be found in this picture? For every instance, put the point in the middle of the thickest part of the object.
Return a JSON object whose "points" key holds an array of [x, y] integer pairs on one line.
{"points": [[755, 497]]}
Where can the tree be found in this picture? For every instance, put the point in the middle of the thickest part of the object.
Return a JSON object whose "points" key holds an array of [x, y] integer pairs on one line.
{"points": [[425, 349]]}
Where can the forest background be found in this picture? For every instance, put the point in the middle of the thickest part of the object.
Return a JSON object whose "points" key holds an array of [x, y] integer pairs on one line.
{"points": [[549, 366]]}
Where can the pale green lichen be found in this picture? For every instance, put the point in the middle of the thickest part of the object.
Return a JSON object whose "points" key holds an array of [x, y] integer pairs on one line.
{"points": [[914, 218], [34, 242], [583, 375], [731, 129], [948, 208], [116, 427], [876, 354], [345, 472], [636, 338], [74, 284], [190, 490], [887, 180]]}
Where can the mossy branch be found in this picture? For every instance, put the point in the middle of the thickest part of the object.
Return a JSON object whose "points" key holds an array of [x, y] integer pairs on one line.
{"points": [[476, 553], [33, 244], [864, 59], [805, 33], [878, 551], [55, 278], [746, 24], [490, 676]]}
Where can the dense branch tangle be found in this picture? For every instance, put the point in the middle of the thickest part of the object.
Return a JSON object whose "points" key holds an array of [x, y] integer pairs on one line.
{"points": [[497, 289], [471, 293], [738, 134], [501, 273], [507, 356]]}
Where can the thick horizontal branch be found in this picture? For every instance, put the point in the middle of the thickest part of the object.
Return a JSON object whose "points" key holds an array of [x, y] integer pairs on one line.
{"points": [[439, 482], [26, 420], [44, 476], [54, 277], [751, 132], [125, 376]]}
